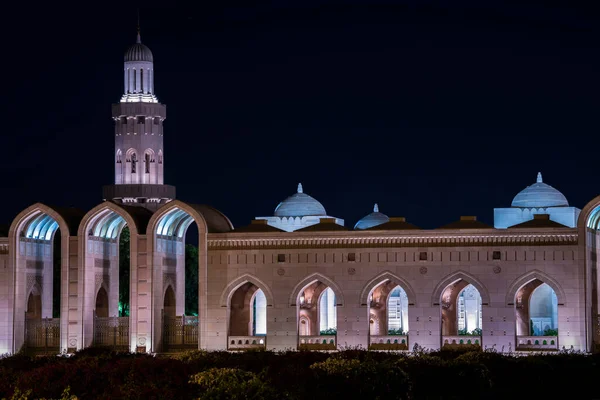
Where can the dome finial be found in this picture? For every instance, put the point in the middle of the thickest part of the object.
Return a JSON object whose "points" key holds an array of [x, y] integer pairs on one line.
{"points": [[139, 38], [539, 178], [300, 188], [376, 208]]}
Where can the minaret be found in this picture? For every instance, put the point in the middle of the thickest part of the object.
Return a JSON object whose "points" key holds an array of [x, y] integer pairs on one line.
{"points": [[139, 153]]}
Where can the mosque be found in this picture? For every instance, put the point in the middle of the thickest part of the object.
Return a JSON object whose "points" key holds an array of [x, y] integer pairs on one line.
{"points": [[299, 279]]}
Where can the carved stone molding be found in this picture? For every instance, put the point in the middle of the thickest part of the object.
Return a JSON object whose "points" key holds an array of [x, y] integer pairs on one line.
{"points": [[170, 278], [33, 279], [433, 239], [101, 278]]}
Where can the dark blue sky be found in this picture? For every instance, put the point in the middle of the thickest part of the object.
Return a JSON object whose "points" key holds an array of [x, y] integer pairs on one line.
{"points": [[433, 109]]}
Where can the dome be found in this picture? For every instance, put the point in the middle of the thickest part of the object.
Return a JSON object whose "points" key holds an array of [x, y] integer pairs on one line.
{"points": [[138, 52], [539, 195], [371, 220], [299, 205]]}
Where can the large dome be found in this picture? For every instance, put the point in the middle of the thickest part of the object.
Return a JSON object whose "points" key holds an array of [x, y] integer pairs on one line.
{"points": [[371, 220], [539, 195], [138, 52], [299, 205]]}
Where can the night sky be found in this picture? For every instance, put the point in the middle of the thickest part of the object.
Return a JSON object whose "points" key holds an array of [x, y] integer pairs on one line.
{"points": [[432, 109]]}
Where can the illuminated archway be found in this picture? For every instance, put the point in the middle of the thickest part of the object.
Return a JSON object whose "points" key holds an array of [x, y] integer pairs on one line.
{"points": [[166, 243], [99, 255], [31, 264]]}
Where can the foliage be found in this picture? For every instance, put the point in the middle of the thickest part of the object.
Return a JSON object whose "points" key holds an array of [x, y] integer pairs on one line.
{"points": [[396, 332], [328, 332], [231, 383], [350, 373], [474, 332], [360, 376], [191, 280], [551, 332], [124, 266]]}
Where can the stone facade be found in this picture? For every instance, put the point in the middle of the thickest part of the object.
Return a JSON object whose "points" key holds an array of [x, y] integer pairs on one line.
{"points": [[292, 257]]}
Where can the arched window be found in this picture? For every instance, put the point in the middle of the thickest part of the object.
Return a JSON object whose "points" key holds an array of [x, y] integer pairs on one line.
{"points": [[397, 311], [119, 156], [259, 314], [134, 81], [160, 157], [327, 311], [469, 310], [142, 80], [147, 161], [133, 162], [543, 311]]}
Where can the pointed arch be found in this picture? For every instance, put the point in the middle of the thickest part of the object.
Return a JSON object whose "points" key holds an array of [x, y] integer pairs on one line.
{"points": [[236, 283], [107, 206], [387, 276], [589, 216], [339, 296], [66, 227], [454, 277], [528, 277]]}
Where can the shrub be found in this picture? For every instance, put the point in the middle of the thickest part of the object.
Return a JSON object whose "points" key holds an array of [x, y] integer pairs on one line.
{"points": [[342, 376], [231, 383], [396, 332], [329, 332]]}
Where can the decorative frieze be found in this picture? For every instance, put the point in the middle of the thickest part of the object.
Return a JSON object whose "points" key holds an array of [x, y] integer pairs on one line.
{"points": [[432, 240]]}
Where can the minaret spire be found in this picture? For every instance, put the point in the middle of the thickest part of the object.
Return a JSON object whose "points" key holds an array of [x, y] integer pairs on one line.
{"points": [[139, 38]]}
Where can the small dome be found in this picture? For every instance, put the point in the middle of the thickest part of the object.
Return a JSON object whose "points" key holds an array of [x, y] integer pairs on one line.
{"points": [[539, 195], [299, 205], [373, 219], [138, 52]]}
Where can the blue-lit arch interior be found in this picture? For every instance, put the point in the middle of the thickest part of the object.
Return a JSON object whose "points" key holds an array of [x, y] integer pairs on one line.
{"points": [[594, 219], [107, 225], [174, 223], [41, 227]]}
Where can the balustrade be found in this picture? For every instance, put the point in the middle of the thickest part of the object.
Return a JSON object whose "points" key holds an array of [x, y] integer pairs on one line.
{"points": [[112, 332], [537, 343], [42, 335], [180, 332], [320, 342], [246, 342], [461, 341], [388, 342]]}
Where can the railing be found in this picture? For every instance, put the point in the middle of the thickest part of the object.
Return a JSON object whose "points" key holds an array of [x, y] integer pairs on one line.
{"points": [[321, 342], [42, 335], [388, 342], [246, 342], [180, 332], [461, 341], [112, 332], [537, 343]]}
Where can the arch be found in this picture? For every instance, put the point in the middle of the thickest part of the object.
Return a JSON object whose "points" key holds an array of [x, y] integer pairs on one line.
{"points": [[589, 215], [169, 301], [105, 224], [528, 277], [236, 283], [101, 299], [379, 279], [456, 276], [339, 296], [39, 218], [207, 218]]}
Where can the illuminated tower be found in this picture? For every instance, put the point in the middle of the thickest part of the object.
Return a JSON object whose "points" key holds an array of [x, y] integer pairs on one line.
{"points": [[139, 152]]}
